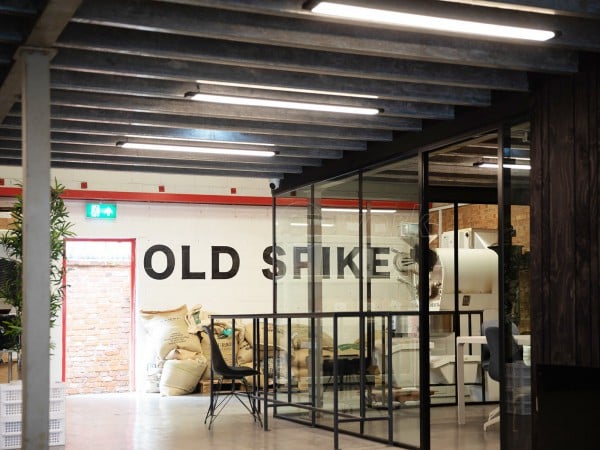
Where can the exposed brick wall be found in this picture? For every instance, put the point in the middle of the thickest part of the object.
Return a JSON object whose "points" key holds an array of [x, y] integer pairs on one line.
{"points": [[98, 329], [5, 223], [486, 217]]}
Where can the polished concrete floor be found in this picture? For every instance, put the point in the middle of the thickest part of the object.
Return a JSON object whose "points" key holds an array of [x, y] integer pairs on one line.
{"points": [[151, 422]]}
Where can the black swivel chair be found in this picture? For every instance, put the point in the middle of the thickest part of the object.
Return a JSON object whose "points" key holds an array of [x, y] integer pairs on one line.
{"points": [[494, 366], [223, 371]]}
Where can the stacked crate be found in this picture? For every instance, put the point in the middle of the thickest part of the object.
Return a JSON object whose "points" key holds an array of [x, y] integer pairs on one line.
{"points": [[11, 415]]}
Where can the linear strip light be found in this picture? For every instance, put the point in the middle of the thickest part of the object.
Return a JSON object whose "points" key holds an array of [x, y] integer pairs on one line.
{"points": [[303, 224], [355, 210], [429, 22], [487, 165], [285, 89], [248, 101], [212, 141], [192, 149]]}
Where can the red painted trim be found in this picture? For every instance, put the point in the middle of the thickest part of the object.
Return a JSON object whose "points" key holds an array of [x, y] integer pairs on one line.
{"points": [[133, 315], [9, 192], [161, 197], [157, 197], [64, 317]]}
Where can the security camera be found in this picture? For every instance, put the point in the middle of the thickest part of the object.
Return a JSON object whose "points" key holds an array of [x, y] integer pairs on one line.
{"points": [[274, 183]]}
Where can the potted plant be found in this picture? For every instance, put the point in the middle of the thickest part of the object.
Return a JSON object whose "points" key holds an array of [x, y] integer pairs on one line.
{"points": [[11, 282]]}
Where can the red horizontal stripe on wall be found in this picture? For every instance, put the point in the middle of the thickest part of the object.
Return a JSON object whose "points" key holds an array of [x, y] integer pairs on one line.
{"points": [[161, 197]]}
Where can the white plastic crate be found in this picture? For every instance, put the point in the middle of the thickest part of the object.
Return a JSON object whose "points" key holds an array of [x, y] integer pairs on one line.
{"points": [[11, 392], [10, 441], [13, 441], [11, 410], [16, 425], [57, 391], [56, 438], [11, 405], [11, 426]]}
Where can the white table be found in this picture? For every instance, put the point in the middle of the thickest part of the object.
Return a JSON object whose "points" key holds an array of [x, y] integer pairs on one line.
{"points": [[521, 339]]}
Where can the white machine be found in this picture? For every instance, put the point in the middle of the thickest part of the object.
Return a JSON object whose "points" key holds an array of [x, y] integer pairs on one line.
{"points": [[477, 280]]}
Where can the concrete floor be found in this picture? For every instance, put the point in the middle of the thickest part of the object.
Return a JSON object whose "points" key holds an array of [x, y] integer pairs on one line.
{"points": [[150, 422]]}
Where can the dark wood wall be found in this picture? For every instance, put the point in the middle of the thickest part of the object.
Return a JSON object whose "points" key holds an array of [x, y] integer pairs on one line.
{"points": [[565, 223], [565, 267]]}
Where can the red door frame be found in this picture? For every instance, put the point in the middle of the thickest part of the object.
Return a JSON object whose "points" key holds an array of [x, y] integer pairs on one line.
{"points": [[132, 241]]}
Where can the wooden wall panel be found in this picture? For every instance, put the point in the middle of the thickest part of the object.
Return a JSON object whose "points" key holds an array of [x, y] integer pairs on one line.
{"points": [[565, 230]]}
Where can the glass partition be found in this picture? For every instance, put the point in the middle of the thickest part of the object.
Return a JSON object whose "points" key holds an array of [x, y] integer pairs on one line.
{"points": [[347, 254], [516, 398], [390, 238], [293, 237]]}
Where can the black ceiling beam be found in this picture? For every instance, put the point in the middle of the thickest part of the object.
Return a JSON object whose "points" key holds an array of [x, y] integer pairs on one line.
{"points": [[575, 8], [251, 131], [112, 151], [300, 32], [147, 87], [408, 144], [190, 71], [189, 48]]}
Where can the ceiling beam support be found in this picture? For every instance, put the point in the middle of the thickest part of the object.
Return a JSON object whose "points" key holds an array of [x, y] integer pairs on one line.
{"points": [[324, 34], [189, 48], [44, 34], [190, 71]]}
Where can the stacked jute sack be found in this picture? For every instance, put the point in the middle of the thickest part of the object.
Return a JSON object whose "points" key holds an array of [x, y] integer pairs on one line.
{"points": [[177, 361], [277, 350], [181, 350]]}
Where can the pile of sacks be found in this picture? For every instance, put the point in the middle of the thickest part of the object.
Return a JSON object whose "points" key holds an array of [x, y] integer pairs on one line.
{"points": [[178, 362], [181, 350]]}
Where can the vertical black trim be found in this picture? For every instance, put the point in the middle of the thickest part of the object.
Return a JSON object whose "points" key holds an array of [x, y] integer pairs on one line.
{"points": [[456, 315], [424, 378], [273, 243], [361, 299], [361, 255], [503, 232], [311, 239], [311, 245]]}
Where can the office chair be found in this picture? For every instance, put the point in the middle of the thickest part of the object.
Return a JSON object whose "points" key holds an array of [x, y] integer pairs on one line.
{"points": [[492, 335], [218, 399]]}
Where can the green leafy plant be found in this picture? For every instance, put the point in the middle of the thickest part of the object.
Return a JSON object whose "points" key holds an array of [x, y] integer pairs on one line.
{"points": [[11, 289]]}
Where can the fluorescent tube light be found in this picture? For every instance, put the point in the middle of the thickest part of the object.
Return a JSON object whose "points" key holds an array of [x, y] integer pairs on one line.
{"points": [[212, 141], [302, 224], [249, 101], [487, 165], [355, 210], [285, 89], [430, 22], [192, 149]]}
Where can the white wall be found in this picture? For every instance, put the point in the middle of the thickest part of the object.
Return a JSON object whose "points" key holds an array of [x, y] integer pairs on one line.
{"points": [[245, 229]]}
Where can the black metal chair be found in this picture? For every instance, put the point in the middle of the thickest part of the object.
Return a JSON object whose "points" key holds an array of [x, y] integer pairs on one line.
{"points": [[224, 371], [492, 335]]}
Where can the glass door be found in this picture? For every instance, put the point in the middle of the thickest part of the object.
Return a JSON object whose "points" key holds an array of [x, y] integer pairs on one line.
{"points": [[515, 344]]}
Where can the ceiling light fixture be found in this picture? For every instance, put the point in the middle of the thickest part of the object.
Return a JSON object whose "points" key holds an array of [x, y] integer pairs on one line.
{"points": [[193, 149], [285, 89], [512, 165], [303, 224], [355, 210], [210, 141], [427, 22], [249, 101]]}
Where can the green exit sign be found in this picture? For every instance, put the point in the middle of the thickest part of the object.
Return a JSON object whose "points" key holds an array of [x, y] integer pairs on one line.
{"points": [[101, 210]]}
